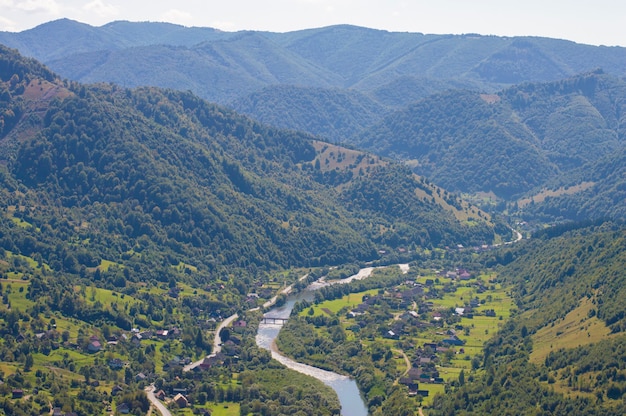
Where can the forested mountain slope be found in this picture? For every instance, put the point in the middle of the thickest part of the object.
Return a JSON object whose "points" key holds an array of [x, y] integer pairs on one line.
{"points": [[190, 181], [333, 114], [510, 142], [596, 190], [336, 56]]}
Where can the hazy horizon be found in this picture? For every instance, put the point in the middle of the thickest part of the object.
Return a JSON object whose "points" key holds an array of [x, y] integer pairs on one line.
{"points": [[602, 24]]}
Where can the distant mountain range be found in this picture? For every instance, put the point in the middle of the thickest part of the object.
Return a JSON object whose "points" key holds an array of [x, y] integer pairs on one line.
{"points": [[511, 117], [224, 66]]}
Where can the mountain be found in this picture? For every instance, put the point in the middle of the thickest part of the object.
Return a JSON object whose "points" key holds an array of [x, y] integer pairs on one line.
{"points": [[595, 190], [332, 57], [68, 37], [219, 71], [198, 183], [511, 142], [330, 113]]}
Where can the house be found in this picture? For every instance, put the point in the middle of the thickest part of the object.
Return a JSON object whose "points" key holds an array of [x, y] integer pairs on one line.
{"points": [[136, 339], [413, 386], [453, 340], [414, 373], [94, 346], [160, 395], [391, 335], [425, 360], [57, 411], [123, 408], [140, 377], [17, 393], [116, 364], [465, 276], [431, 345], [181, 400], [116, 390], [211, 361]]}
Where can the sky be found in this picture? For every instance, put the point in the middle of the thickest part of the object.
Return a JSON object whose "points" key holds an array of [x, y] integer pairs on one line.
{"points": [[595, 22]]}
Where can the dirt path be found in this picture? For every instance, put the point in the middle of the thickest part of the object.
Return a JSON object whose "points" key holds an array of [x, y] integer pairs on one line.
{"points": [[406, 361]]}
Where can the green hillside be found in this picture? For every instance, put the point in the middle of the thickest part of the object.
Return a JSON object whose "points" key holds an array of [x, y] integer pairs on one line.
{"points": [[563, 353], [331, 114], [511, 142]]}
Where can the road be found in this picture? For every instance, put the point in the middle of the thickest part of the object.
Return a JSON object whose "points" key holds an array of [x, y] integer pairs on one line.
{"points": [[156, 402], [217, 343]]}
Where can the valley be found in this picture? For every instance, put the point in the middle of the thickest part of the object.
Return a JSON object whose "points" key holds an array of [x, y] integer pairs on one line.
{"points": [[145, 232]]}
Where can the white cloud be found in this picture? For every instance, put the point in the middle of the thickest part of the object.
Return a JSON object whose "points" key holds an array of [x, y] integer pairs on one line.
{"points": [[35, 6], [101, 8]]}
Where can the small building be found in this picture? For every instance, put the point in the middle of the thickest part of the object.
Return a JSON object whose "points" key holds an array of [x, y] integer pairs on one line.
{"points": [[454, 340], [123, 408], [181, 400], [94, 346], [391, 335], [17, 393], [116, 364]]}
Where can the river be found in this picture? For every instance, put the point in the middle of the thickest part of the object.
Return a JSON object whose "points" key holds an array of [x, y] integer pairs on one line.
{"points": [[349, 396], [345, 387]]}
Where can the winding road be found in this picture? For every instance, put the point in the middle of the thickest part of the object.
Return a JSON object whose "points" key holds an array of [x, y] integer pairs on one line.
{"points": [[156, 402]]}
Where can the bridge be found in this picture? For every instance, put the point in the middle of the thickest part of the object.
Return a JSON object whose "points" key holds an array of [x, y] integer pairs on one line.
{"points": [[270, 320]]}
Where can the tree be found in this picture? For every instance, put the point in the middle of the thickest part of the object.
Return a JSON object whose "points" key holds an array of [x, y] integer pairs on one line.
{"points": [[28, 362]]}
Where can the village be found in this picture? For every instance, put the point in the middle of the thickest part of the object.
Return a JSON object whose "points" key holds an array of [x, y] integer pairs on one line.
{"points": [[435, 324]]}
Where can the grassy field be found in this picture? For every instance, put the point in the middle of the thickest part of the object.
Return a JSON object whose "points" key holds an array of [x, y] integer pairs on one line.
{"points": [[334, 306], [224, 409], [576, 329]]}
